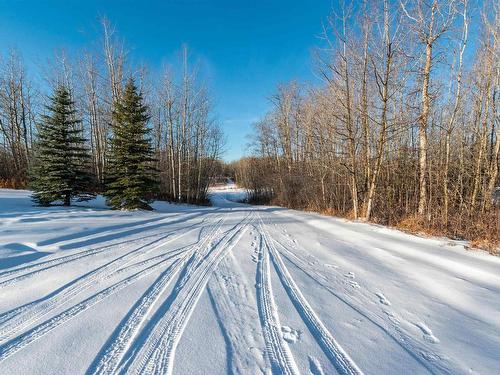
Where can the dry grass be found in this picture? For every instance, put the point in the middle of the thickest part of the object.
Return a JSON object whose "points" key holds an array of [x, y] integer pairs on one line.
{"points": [[481, 234], [12, 183], [416, 225]]}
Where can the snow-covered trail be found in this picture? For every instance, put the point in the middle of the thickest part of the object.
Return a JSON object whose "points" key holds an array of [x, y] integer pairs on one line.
{"points": [[236, 289]]}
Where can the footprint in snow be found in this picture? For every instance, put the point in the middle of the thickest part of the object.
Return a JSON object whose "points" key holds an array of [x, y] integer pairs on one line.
{"points": [[431, 357], [354, 284], [290, 335], [382, 299], [255, 258], [428, 335], [390, 314], [350, 275], [331, 265], [257, 354], [315, 367]]}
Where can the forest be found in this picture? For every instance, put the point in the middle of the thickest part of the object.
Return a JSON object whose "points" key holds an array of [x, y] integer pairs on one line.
{"points": [[183, 131], [403, 131]]}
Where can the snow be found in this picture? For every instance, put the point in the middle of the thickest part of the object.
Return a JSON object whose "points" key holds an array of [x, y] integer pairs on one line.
{"points": [[236, 289]]}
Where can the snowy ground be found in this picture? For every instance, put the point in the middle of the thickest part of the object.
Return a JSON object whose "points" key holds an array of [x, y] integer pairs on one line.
{"points": [[236, 289]]}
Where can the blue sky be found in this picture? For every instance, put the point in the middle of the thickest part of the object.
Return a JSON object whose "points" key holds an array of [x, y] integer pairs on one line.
{"points": [[245, 47]]}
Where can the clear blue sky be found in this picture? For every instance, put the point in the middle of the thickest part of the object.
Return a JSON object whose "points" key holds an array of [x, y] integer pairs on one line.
{"points": [[246, 47]]}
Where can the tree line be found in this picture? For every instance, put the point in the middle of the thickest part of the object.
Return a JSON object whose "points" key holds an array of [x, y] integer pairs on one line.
{"points": [[181, 128], [404, 130]]}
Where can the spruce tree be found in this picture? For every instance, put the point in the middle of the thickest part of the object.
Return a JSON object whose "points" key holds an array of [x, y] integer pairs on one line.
{"points": [[130, 179], [60, 166]]}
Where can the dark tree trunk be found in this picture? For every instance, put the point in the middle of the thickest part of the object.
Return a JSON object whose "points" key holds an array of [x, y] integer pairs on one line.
{"points": [[67, 199]]}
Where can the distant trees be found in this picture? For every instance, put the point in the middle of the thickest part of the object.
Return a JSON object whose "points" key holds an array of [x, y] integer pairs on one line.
{"points": [[404, 131], [17, 120], [188, 140], [60, 169], [131, 181], [185, 138]]}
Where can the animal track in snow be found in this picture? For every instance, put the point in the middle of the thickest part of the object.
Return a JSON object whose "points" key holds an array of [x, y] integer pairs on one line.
{"points": [[382, 299], [428, 335], [350, 275], [290, 335]]}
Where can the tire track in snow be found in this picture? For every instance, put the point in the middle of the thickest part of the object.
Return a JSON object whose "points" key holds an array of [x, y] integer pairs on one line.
{"points": [[80, 239], [13, 346], [335, 353], [121, 339], [24, 272], [18, 343], [428, 359], [156, 354], [49, 264], [30, 270], [280, 356], [233, 300], [164, 356], [20, 318]]}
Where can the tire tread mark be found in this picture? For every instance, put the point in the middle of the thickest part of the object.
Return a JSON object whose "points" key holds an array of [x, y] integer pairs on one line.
{"points": [[335, 353], [111, 356], [157, 354], [280, 356]]}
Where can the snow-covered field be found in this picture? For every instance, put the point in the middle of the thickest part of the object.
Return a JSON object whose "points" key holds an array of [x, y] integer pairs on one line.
{"points": [[236, 289]]}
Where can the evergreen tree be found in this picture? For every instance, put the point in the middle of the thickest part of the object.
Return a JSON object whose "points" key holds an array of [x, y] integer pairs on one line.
{"points": [[131, 182], [60, 168]]}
